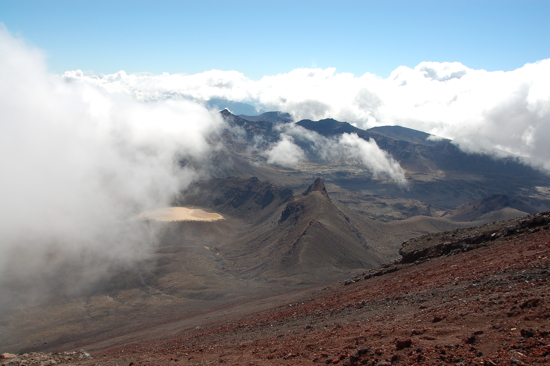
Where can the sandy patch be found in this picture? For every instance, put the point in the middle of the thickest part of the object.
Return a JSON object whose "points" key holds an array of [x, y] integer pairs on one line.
{"points": [[179, 214]]}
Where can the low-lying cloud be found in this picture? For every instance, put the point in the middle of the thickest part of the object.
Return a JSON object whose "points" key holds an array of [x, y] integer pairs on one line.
{"points": [[482, 111], [77, 162], [375, 159], [347, 149], [285, 152]]}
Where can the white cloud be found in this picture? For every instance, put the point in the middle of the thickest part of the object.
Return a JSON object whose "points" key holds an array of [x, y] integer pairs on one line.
{"points": [[344, 150], [230, 85], [442, 71], [77, 161], [375, 159], [285, 152], [480, 110]]}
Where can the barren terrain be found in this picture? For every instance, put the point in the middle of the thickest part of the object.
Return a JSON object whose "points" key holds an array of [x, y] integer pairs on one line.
{"points": [[249, 265], [179, 214], [487, 305]]}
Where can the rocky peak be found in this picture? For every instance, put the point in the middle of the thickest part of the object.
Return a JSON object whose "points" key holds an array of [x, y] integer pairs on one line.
{"points": [[226, 113], [317, 186]]}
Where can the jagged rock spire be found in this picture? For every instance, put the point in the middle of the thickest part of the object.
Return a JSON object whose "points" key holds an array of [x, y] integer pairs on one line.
{"points": [[317, 186]]}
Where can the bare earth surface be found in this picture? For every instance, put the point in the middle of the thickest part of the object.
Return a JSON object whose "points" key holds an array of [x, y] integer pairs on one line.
{"points": [[488, 306], [179, 214]]}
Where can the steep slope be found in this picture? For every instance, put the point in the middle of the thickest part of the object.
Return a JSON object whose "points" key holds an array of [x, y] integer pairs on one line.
{"points": [[250, 199], [311, 241], [260, 132]]}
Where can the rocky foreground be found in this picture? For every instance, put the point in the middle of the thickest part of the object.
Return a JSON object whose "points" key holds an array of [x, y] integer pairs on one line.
{"points": [[475, 298], [45, 359]]}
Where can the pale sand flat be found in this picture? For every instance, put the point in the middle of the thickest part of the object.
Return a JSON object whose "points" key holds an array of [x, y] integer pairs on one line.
{"points": [[179, 214]]}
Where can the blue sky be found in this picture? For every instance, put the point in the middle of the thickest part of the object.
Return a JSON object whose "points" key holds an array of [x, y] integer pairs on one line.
{"points": [[260, 38]]}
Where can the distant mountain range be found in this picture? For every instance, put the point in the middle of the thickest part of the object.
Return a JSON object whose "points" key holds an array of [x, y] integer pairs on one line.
{"points": [[438, 171]]}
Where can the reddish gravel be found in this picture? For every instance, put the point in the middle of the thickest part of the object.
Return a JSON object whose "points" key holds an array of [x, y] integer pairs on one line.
{"points": [[489, 306]]}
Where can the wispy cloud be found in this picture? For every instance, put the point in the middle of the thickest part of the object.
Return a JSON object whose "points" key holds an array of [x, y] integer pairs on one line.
{"points": [[298, 145], [375, 159], [285, 152]]}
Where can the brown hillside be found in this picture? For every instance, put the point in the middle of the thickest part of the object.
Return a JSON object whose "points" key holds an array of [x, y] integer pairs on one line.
{"points": [[310, 241], [486, 306]]}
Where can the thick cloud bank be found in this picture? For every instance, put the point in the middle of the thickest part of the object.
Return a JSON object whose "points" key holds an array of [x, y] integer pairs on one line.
{"points": [[78, 161], [506, 112]]}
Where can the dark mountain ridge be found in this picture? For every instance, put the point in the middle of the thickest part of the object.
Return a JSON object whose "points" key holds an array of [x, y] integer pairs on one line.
{"points": [[415, 151], [252, 129], [273, 117], [438, 172], [331, 127]]}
